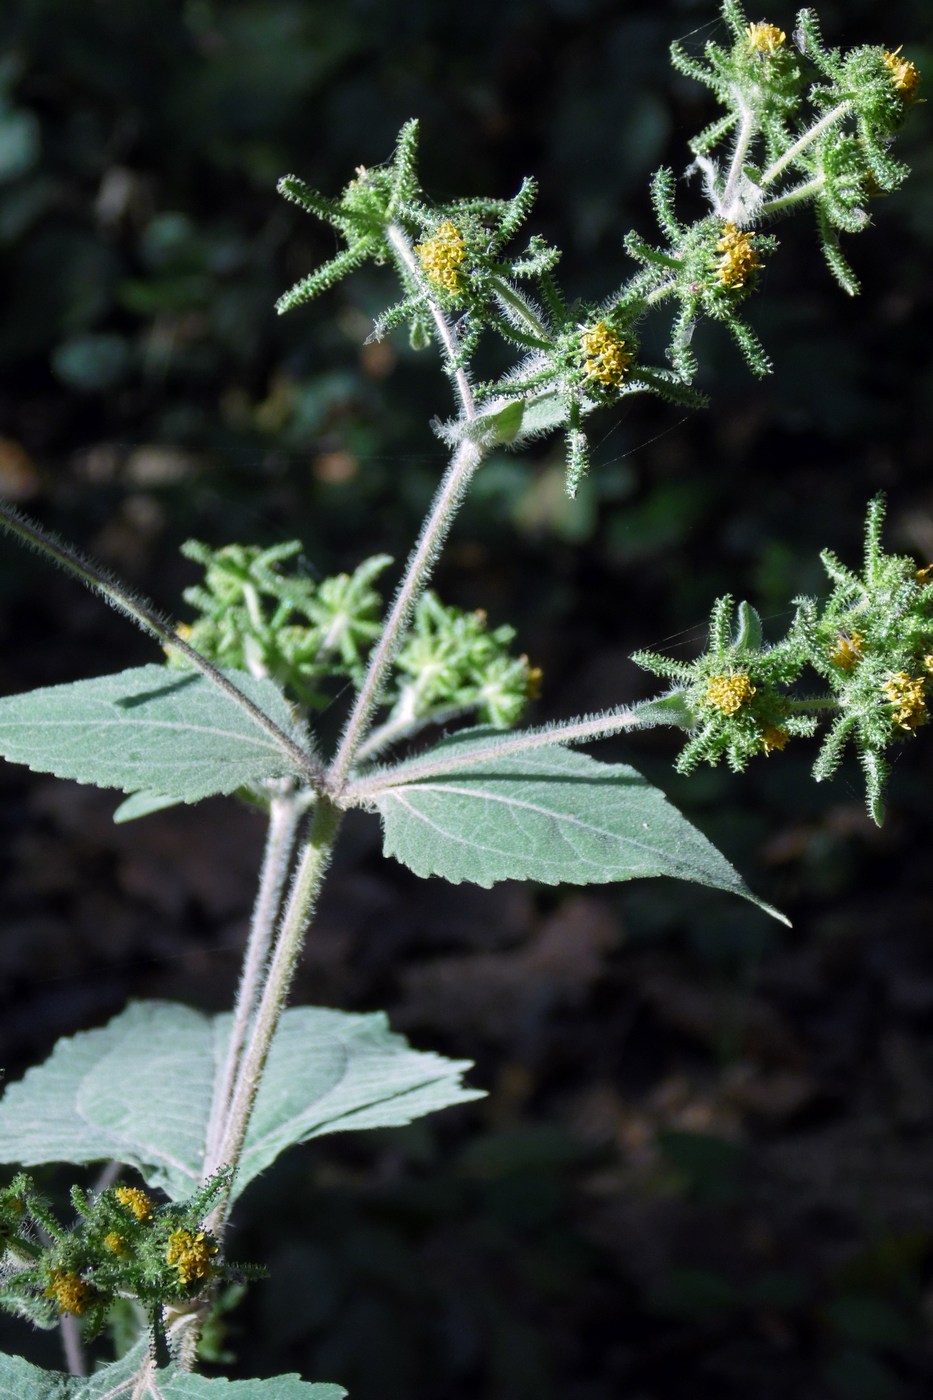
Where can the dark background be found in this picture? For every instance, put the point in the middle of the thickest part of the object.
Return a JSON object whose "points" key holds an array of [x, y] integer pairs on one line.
{"points": [[704, 1165]]}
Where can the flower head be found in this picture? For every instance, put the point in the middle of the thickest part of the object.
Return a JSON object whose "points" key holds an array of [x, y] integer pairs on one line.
{"points": [[905, 693], [847, 650], [135, 1200], [740, 258], [441, 256], [904, 75], [765, 38], [773, 737], [606, 358], [729, 693], [69, 1292], [191, 1254]]}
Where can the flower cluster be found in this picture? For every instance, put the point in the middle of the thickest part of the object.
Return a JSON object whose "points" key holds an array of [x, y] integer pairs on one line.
{"points": [[765, 39], [740, 257], [454, 665], [255, 617], [734, 699], [870, 642], [805, 126], [441, 256], [605, 357], [124, 1245]]}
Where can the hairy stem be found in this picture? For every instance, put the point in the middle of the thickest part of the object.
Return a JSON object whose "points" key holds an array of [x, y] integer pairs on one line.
{"points": [[795, 196], [434, 532], [399, 240], [315, 858], [72, 1345], [800, 145], [420, 564], [285, 813], [406, 727], [729, 205], [575, 731]]}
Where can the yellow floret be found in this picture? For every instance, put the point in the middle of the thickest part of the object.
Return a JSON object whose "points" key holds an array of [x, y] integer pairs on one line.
{"points": [[191, 1254], [904, 75], [765, 38], [729, 693], [70, 1293], [607, 359], [441, 256], [906, 694], [847, 650], [773, 738], [136, 1201], [739, 258]]}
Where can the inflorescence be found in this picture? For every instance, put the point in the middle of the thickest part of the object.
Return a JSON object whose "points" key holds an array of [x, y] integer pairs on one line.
{"points": [[124, 1244], [313, 636], [870, 643], [803, 125]]}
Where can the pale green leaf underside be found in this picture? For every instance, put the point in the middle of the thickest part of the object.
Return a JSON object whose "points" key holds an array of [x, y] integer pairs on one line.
{"points": [[148, 730], [132, 1377], [548, 814], [139, 1091], [142, 804]]}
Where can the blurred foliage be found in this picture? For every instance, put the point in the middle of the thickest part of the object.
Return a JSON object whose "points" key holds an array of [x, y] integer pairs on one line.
{"points": [[148, 393]]}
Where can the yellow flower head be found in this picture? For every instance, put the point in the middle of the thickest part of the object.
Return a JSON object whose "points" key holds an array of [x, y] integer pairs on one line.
{"points": [[904, 75], [772, 737], [136, 1201], [69, 1292], [739, 256], [607, 359], [115, 1243], [847, 650], [441, 256], [905, 693], [191, 1255], [729, 693], [765, 38]]}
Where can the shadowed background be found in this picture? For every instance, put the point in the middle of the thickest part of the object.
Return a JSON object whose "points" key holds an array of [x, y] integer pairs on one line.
{"points": [[704, 1166]]}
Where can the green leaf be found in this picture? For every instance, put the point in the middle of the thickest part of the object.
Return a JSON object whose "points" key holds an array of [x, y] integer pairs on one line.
{"points": [[546, 814], [134, 1377], [142, 804], [148, 729], [139, 1091]]}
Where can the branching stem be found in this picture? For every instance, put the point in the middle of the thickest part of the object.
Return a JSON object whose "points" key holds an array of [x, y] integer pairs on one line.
{"points": [[421, 562], [575, 731], [730, 205], [399, 240], [800, 145], [797, 195]]}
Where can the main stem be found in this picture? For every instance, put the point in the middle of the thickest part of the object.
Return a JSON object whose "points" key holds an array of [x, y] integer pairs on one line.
{"points": [[285, 813], [312, 865]]}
